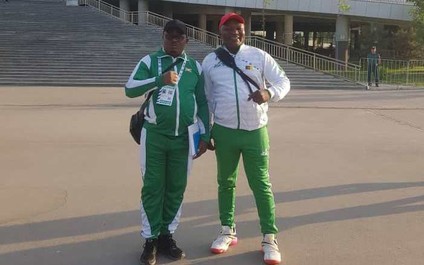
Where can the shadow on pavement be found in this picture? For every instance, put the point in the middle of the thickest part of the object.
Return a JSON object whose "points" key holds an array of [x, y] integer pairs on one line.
{"points": [[196, 231]]}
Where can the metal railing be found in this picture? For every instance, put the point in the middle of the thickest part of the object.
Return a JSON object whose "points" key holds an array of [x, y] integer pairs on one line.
{"points": [[131, 17], [277, 50], [392, 71], [196, 33], [148, 17], [307, 59], [396, 72]]}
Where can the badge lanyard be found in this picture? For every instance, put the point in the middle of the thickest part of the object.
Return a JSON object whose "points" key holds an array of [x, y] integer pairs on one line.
{"points": [[181, 70], [166, 93]]}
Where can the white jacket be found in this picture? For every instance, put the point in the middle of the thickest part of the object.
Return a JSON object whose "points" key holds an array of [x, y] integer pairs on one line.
{"points": [[227, 93]]}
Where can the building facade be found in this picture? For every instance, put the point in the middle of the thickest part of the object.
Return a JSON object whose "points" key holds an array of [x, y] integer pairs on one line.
{"points": [[329, 27]]}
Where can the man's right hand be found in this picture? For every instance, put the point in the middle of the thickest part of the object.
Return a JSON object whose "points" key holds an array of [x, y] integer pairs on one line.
{"points": [[170, 78]]}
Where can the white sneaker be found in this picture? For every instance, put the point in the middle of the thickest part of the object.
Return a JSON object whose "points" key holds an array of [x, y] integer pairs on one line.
{"points": [[272, 255], [226, 238]]}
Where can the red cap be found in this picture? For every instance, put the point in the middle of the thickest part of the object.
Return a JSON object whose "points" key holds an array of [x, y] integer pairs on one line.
{"points": [[230, 16]]}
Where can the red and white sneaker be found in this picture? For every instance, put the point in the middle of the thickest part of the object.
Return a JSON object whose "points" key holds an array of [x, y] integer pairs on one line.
{"points": [[272, 254], [226, 238]]}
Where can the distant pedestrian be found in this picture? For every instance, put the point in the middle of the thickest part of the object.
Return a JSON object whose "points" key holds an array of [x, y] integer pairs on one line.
{"points": [[373, 60]]}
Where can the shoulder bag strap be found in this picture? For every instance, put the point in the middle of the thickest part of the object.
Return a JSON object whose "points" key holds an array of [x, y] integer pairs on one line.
{"points": [[229, 61]]}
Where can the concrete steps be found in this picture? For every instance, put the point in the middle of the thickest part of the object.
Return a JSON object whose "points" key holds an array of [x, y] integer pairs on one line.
{"points": [[301, 77], [45, 42]]}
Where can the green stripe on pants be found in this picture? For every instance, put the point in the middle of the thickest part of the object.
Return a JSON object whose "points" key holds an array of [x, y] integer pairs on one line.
{"points": [[164, 182]]}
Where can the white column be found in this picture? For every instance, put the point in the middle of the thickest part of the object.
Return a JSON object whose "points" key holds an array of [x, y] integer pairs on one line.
{"points": [[143, 6], [342, 37], [202, 21], [247, 15], [279, 29], [124, 5], [288, 29], [202, 24], [342, 28]]}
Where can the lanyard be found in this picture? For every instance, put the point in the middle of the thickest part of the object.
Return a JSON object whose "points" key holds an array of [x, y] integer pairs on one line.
{"points": [[180, 73]]}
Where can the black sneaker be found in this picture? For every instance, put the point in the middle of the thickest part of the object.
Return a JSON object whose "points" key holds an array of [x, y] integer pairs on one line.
{"points": [[148, 257], [376, 84], [168, 246]]}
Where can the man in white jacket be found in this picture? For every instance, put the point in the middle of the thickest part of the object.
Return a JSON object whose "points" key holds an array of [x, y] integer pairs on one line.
{"points": [[240, 128]]}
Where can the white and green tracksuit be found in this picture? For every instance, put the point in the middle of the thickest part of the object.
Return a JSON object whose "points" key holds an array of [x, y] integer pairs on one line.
{"points": [[240, 128], [164, 147]]}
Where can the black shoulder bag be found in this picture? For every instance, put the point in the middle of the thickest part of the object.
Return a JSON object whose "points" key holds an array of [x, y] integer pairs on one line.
{"points": [[229, 61], [137, 119]]}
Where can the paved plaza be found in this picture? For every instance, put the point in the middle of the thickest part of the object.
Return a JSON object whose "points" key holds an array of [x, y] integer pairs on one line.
{"points": [[347, 168]]}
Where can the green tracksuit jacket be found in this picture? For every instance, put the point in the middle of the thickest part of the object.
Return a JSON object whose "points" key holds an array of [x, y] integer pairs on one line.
{"points": [[189, 100]]}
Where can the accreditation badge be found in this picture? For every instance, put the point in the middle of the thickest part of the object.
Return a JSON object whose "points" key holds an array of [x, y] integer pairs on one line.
{"points": [[166, 95]]}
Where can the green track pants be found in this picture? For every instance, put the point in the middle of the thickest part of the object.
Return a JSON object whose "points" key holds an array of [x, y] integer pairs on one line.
{"points": [[254, 148], [165, 166]]}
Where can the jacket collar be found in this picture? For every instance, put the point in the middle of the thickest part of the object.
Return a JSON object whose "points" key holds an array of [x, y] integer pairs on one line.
{"points": [[242, 46], [163, 54]]}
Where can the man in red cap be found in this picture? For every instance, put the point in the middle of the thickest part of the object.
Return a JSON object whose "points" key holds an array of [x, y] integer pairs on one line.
{"points": [[240, 128]]}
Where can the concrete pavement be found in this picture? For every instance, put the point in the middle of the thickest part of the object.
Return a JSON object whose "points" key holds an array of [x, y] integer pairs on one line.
{"points": [[346, 167]]}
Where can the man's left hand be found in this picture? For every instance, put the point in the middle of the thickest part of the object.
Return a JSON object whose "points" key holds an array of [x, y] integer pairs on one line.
{"points": [[260, 96], [202, 149]]}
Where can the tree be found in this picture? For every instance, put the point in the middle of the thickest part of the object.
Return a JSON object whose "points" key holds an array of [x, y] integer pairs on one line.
{"points": [[344, 7], [410, 48], [407, 42], [418, 20]]}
